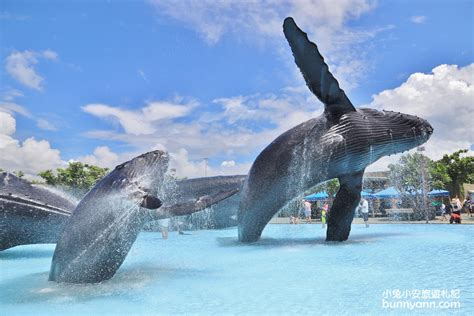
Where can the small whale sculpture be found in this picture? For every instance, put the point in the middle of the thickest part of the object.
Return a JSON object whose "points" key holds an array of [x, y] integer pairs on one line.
{"points": [[106, 222], [30, 214]]}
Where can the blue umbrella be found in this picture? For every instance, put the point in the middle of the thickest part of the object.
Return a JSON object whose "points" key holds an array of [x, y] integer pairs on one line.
{"points": [[434, 193], [387, 193], [367, 195], [316, 196]]}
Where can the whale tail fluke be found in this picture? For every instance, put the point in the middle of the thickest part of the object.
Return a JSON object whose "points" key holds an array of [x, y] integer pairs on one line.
{"points": [[316, 72]]}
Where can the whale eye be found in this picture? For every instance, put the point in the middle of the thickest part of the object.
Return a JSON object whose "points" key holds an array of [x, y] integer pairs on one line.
{"points": [[389, 131]]}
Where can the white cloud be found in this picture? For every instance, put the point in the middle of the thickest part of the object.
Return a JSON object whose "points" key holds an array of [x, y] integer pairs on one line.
{"points": [[143, 121], [228, 163], [12, 108], [49, 54], [9, 94], [30, 156], [213, 19], [185, 167], [20, 65], [261, 21], [240, 126], [445, 98], [7, 124], [418, 19], [45, 125], [102, 157]]}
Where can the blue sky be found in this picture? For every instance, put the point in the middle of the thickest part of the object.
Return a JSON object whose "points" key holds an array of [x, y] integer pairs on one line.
{"points": [[102, 81]]}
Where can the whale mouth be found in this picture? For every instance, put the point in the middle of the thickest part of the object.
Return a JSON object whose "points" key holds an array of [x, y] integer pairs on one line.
{"points": [[422, 129]]}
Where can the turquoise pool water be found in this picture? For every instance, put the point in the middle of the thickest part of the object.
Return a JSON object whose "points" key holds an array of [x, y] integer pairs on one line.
{"points": [[290, 271]]}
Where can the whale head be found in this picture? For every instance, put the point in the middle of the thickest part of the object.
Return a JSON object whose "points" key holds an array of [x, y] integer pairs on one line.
{"points": [[143, 165], [395, 132], [140, 176], [371, 134]]}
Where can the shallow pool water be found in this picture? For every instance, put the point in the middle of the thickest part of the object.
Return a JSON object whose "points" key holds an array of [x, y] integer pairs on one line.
{"points": [[292, 270]]}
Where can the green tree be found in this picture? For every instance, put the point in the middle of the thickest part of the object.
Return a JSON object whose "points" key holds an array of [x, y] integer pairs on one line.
{"points": [[330, 187], [452, 171], [77, 177], [49, 177], [19, 173], [439, 176], [412, 179]]}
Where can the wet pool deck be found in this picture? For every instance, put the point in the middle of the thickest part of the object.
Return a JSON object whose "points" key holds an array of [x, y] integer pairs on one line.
{"points": [[466, 219]]}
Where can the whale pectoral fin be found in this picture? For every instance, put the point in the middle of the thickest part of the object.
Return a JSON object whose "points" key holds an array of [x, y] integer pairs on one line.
{"points": [[316, 72], [151, 202], [343, 208], [189, 207]]}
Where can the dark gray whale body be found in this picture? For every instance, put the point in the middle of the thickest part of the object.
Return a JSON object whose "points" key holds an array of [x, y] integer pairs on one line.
{"points": [[341, 143], [222, 214], [30, 214], [107, 221]]}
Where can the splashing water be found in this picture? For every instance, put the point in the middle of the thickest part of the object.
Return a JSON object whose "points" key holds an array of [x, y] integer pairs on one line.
{"points": [[62, 192]]}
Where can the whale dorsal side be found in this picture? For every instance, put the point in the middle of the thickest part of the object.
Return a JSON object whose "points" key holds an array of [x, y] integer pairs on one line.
{"points": [[316, 72]]}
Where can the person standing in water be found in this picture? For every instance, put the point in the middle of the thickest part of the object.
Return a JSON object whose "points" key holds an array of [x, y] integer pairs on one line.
{"points": [[324, 214], [443, 211], [364, 209], [164, 227], [307, 211]]}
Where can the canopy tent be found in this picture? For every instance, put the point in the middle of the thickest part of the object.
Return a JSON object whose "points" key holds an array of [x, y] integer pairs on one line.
{"points": [[323, 196], [435, 193], [316, 196], [390, 192], [367, 195]]}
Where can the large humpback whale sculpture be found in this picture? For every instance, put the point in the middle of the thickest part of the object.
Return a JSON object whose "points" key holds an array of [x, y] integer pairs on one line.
{"points": [[106, 222], [30, 214], [341, 143]]}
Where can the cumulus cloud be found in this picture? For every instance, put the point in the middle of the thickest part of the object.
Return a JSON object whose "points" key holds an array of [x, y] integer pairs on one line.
{"points": [[444, 97], [103, 157], [21, 67], [143, 121], [7, 124], [30, 156]]}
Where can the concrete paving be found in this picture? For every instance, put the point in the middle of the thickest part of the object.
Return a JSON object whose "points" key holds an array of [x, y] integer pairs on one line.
{"points": [[465, 220]]}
